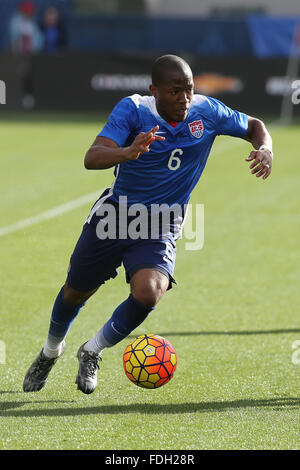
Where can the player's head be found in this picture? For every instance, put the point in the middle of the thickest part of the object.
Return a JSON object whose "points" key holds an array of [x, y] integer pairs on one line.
{"points": [[172, 86]]}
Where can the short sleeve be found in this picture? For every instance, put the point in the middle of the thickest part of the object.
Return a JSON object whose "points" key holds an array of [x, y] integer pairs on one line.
{"points": [[229, 121], [121, 122]]}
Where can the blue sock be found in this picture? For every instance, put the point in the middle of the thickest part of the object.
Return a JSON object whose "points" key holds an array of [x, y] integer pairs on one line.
{"points": [[128, 316], [62, 316]]}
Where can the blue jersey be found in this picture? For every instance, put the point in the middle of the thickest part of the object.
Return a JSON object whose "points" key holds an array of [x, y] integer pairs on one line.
{"points": [[172, 168]]}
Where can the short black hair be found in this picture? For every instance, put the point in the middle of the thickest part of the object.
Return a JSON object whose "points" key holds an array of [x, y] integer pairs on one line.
{"points": [[166, 63]]}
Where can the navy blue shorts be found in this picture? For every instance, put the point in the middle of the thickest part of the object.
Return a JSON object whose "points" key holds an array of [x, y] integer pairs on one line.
{"points": [[96, 260]]}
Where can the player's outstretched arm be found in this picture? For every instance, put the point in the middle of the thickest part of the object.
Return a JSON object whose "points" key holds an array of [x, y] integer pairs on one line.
{"points": [[105, 153], [262, 156]]}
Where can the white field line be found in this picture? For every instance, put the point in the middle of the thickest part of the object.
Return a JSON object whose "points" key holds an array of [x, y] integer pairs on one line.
{"points": [[218, 147], [51, 213]]}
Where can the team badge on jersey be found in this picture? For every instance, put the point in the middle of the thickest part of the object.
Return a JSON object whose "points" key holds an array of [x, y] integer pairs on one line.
{"points": [[196, 128]]}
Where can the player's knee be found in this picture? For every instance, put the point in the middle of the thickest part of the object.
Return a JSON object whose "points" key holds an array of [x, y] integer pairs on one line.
{"points": [[146, 297], [150, 292], [74, 297]]}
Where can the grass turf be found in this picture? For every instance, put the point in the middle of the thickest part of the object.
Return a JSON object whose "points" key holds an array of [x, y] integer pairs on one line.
{"points": [[232, 318]]}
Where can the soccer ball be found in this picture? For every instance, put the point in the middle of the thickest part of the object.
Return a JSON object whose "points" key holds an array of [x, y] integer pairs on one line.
{"points": [[150, 361]]}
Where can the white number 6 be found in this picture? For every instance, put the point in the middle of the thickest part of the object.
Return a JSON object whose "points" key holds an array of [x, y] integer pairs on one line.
{"points": [[174, 162]]}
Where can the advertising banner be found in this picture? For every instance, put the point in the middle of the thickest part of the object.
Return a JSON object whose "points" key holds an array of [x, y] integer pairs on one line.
{"points": [[93, 82]]}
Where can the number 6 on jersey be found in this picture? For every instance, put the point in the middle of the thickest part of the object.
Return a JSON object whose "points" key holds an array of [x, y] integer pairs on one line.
{"points": [[174, 162]]}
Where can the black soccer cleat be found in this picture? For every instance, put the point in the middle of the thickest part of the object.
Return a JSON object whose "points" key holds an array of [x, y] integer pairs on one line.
{"points": [[38, 372], [86, 379]]}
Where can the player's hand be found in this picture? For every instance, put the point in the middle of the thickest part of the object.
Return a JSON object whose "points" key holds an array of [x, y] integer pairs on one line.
{"points": [[261, 163], [142, 142]]}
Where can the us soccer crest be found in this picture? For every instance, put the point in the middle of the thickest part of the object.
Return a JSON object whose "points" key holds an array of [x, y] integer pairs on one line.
{"points": [[196, 128]]}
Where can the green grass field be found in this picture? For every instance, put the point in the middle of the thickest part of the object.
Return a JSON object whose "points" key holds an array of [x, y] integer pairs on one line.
{"points": [[232, 318]]}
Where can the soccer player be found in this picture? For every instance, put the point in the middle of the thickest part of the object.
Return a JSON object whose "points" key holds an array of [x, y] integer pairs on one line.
{"points": [[159, 146]]}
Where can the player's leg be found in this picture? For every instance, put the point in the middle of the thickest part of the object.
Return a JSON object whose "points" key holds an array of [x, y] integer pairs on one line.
{"points": [[66, 307], [148, 282], [147, 287], [92, 263], [149, 266]]}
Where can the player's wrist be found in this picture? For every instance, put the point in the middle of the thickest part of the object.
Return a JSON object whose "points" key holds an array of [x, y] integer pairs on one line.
{"points": [[129, 153], [126, 154], [266, 147]]}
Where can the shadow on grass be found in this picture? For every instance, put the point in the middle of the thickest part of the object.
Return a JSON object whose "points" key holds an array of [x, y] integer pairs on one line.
{"points": [[144, 408], [229, 333], [7, 405]]}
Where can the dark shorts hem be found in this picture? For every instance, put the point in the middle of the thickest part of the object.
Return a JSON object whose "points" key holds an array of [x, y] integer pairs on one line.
{"points": [[85, 288], [138, 267]]}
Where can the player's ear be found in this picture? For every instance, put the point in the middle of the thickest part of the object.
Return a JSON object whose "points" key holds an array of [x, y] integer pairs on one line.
{"points": [[153, 90]]}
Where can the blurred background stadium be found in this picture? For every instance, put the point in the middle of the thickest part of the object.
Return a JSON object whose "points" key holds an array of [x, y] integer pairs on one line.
{"points": [[87, 54]]}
